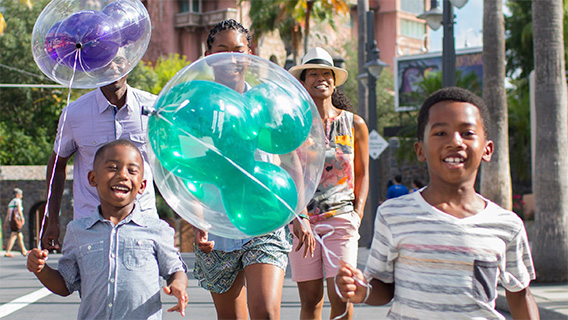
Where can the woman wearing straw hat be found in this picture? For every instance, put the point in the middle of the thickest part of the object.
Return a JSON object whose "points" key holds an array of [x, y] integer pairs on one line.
{"points": [[339, 200]]}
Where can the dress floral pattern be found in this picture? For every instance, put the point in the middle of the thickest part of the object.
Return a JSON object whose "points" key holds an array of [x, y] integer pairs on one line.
{"points": [[334, 194]]}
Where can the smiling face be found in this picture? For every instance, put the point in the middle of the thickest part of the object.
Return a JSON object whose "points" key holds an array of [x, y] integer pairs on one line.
{"points": [[118, 175], [231, 74], [454, 143], [319, 83]]}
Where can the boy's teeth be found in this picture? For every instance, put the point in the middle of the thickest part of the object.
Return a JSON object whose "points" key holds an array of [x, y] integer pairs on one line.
{"points": [[453, 160]]}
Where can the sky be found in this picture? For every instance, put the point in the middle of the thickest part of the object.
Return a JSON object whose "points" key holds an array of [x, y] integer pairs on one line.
{"points": [[467, 29]]}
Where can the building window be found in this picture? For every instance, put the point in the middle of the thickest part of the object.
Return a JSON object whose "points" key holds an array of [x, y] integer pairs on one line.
{"points": [[412, 6], [190, 5], [412, 29]]}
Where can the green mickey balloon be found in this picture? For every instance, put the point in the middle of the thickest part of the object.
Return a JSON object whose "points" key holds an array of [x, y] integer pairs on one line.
{"points": [[285, 120], [202, 131], [261, 206]]}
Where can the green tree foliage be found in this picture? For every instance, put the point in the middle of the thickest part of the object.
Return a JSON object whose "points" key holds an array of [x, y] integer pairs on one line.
{"points": [[519, 136], [153, 77], [519, 42], [386, 116], [29, 115]]}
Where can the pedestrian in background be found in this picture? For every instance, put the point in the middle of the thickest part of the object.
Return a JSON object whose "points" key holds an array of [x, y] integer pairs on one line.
{"points": [[416, 185], [339, 200], [397, 189], [15, 221]]}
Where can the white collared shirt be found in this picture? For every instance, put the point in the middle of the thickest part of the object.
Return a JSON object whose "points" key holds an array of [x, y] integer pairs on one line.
{"points": [[88, 123]]}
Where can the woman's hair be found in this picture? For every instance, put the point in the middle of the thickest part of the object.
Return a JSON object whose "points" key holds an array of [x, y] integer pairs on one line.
{"points": [[340, 101], [229, 24]]}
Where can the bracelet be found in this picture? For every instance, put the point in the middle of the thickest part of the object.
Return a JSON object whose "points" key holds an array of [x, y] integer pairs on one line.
{"points": [[303, 216]]}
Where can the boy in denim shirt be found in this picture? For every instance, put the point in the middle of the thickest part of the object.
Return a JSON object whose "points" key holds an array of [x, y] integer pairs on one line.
{"points": [[114, 257]]}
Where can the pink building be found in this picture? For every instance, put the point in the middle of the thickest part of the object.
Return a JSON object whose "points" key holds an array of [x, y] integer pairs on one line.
{"points": [[182, 26], [397, 30]]}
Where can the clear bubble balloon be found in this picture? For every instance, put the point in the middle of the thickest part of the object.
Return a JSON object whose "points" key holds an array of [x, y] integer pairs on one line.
{"points": [[88, 44], [237, 146]]}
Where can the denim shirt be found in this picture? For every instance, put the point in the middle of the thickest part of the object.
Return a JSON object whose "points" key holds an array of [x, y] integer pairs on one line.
{"points": [[117, 268]]}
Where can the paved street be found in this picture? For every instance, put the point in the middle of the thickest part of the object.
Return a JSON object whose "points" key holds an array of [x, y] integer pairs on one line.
{"points": [[23, 297]]}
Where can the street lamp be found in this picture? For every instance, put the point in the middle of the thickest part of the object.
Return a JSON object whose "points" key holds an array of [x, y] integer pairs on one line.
{"points": [[434, 19], [374, 68]]}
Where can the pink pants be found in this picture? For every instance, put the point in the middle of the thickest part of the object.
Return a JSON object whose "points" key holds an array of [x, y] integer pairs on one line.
{"points": [[342, 243]]}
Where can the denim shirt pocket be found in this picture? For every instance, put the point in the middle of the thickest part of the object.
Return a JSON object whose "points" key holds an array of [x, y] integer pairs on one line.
{"points": [[485, 280], [138, 254], [92, 258]]}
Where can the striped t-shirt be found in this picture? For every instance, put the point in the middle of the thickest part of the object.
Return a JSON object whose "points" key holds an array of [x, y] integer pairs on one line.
{"points": [[444, 267]]}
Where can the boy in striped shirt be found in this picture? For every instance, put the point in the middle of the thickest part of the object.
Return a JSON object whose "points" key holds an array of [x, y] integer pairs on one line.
{"points": [[439, 253]]}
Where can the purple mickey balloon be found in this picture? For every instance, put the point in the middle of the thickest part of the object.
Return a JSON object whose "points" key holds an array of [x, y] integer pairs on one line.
{"points": [[88, 35], [126, 18]]}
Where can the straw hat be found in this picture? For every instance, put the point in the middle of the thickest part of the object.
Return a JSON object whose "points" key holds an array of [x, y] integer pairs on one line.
{"points": [[318, 58]]}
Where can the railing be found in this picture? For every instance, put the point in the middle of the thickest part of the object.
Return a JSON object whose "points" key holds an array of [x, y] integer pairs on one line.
{"points": [[203, 19]]}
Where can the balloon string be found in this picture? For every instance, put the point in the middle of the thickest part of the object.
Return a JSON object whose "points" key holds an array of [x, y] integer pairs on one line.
{"points": [[217, 151], [49, 188], [361, 283], [329, 255]]}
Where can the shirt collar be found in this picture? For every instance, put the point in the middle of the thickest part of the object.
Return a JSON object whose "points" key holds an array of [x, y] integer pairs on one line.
{"points": [[136, 216], [104, 104]]}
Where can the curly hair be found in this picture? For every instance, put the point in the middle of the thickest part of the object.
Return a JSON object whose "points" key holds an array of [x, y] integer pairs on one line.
{"points": [[229, 24], [452, 94], [340, 101]]}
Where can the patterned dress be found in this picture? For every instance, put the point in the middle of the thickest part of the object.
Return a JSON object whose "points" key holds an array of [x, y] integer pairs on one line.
{"points": [[335, 192]]}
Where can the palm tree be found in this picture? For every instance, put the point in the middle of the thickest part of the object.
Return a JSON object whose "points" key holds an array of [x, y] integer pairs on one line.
{"points": [[550, 184], [291, 17], [496, 174]]}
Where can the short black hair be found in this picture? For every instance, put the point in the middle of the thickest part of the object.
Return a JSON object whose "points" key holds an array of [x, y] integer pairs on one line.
{"points": [[452, 94], [229, 24], [398, 178], [120, 142]]}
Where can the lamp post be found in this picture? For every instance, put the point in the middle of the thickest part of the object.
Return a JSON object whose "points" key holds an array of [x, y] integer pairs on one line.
{"points": [[374, 68], [435, 18]]}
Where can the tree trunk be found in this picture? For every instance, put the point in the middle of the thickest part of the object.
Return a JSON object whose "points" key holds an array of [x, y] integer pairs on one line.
{"points": [[310, 4], [550, 183], [496, 174]]}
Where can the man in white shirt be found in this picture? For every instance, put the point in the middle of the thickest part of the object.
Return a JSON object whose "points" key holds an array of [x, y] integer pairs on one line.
{"points": [[108, 113]]}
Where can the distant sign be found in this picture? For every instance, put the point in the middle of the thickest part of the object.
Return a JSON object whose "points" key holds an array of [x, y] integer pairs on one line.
{"points": [[410, 70], [377, 144]]}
